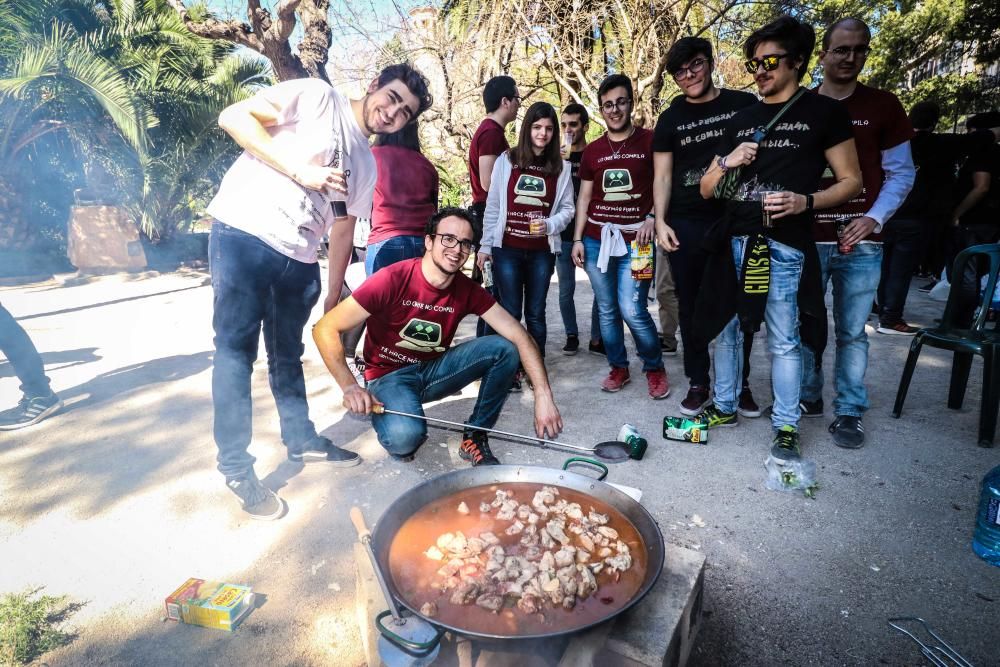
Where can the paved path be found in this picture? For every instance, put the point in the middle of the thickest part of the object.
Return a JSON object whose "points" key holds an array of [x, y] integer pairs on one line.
{"points": [[116, 501]]}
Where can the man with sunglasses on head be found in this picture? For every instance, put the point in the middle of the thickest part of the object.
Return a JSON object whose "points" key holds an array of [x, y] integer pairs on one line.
{"points": [[778, 176], [306, 171], [413, 309], [849, 236], [614, 208], [683, 143]]}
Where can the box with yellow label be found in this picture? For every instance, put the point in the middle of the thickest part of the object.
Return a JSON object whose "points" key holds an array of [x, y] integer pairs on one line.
{"points": [[212, 604]]}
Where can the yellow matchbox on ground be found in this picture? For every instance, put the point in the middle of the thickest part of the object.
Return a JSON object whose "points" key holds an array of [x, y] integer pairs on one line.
{"points": [[212, 604]]}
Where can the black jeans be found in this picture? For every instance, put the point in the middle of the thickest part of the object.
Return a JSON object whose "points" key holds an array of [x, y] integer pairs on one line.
{"points": [[966, 283], [688, 266], [902, 246], [255, 286], [22, 355]]}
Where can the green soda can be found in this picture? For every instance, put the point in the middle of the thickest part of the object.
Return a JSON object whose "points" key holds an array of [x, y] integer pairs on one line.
{"points": [[636, 443], [685, 430]]}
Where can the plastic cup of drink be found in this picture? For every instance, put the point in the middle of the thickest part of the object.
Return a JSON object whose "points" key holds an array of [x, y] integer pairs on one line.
{"points": [[536, 223], [766, 214]]}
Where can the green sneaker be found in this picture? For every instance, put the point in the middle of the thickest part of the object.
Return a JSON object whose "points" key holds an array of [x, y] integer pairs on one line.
{"points": [[785, 445], [713, 417]]}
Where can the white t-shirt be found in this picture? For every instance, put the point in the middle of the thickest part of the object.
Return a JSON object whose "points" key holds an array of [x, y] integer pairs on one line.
{"points": [[260, 200]]}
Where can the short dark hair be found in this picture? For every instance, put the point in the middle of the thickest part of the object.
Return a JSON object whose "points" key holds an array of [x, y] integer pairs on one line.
{"points": [[449, 212], [408, 137], [577, 110], [615, 81], [848, 23], [522, 156], [412, 79], [685, 49], [496, 89], [925, 115], [796, 38]]}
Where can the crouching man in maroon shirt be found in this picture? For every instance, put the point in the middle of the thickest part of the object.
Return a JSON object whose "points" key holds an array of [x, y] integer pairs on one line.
{"points": [[413, 309]]}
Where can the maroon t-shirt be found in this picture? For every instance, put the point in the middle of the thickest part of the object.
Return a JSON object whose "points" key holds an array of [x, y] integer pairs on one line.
{"points": [[622, 173], [406, 193], [489, 139], [411, 320], [880, 123], [530, 192]]}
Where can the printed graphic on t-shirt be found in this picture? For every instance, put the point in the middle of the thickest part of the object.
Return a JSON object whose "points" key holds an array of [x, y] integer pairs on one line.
{"points": [[754, 189], [692, 177], [528, 190], [421, 335], [617, 184]]}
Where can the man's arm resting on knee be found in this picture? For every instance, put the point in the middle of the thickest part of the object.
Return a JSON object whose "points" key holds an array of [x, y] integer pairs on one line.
{"points": [[548, 423], [347, 315]]}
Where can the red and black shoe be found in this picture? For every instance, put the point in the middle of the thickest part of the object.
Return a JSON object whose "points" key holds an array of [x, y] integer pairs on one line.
{"points": [[475, 448]]}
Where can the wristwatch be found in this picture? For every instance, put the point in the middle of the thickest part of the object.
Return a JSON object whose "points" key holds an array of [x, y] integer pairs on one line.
{"points": [[722, 164], [809, 202]]}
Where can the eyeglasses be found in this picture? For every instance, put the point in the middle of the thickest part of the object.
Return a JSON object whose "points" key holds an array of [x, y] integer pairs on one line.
{"points": [[693, 67], [450, 241], [860, 51], [621, 102], [515, 98], [768, 62]]}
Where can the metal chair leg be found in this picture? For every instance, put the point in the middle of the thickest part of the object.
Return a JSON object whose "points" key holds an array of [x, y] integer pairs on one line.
{"points": [[959, 379], [904, 381], [991, 398]]}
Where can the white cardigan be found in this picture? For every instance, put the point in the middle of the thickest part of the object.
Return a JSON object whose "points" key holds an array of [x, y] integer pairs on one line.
{"points": [[495, 216]]}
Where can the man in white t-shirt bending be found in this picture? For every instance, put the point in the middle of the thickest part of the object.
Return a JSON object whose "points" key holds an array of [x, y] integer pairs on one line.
{"points": [[306, 171]]}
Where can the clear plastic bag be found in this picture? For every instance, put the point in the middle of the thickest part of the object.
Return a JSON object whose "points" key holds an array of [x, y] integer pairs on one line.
{"points": [[792, 476]]}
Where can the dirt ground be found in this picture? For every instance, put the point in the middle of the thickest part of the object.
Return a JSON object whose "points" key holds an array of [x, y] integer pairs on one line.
{"points": [[116, 501]]}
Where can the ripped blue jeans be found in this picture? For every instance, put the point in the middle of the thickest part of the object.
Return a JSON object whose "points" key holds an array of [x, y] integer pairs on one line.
{"points": [[622, 300], [255, 288]]}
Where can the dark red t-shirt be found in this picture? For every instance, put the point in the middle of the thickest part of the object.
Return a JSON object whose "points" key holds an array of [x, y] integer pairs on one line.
{"points": [[411, 320], [622, 173], [529, 192], [406, 193], [879, 123], [489, 139]]}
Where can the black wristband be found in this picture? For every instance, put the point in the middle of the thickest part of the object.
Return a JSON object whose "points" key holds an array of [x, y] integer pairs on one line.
{"points": [[809, 202]]}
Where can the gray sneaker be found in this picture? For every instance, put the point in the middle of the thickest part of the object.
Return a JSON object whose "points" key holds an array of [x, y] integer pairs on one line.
{"points": [[29, 411], [848, 432], [257, 500], [321, 450]]}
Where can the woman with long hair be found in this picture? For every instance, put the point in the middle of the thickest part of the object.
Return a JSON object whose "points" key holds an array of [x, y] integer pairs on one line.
{"points": [[530, 202], [405, 198]]}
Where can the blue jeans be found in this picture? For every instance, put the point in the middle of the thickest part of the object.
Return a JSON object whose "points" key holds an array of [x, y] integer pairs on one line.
{"points": [[22, 355], [620, 298], [491, 359], [566, 270], [255, 285], [521, 280], [855, 279], [782, 319], [391, 250]]}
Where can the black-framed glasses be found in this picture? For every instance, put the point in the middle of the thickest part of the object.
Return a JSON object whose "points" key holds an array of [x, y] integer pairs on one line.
{"points": [[515, 98], [450, 241], [768, 62], [621, 102], [859, 51], [695, 66]]}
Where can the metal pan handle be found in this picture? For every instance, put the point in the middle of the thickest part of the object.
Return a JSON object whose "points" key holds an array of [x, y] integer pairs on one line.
{"points": [[416, 649], [596, 464]]}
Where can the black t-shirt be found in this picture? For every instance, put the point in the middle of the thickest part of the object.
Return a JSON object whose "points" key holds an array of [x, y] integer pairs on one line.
{"points": [[935, 159], [691, 133], [987, 210], [790, 158], [574, 163]]}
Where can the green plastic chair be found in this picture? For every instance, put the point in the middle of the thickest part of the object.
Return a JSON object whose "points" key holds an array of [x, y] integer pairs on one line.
{"points": [[977, 339]]}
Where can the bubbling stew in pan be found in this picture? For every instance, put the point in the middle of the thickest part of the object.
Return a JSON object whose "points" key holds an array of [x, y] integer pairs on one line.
{"points": [[517, 559]]}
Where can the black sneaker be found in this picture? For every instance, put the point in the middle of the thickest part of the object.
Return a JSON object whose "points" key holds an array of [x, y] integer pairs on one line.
{"points": [[476, 448], [811, 408], [515, 384], [848, 432], [713, 417], [668, 349], [747, 407], [697, 399], [321, 450], [597, 348], [928, 287], [785, 446], [572, 345], [257, 500], [29, 411]]}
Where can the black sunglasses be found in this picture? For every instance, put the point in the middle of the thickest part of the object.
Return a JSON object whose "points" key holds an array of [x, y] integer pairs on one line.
{"points": [[768, 62]]}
